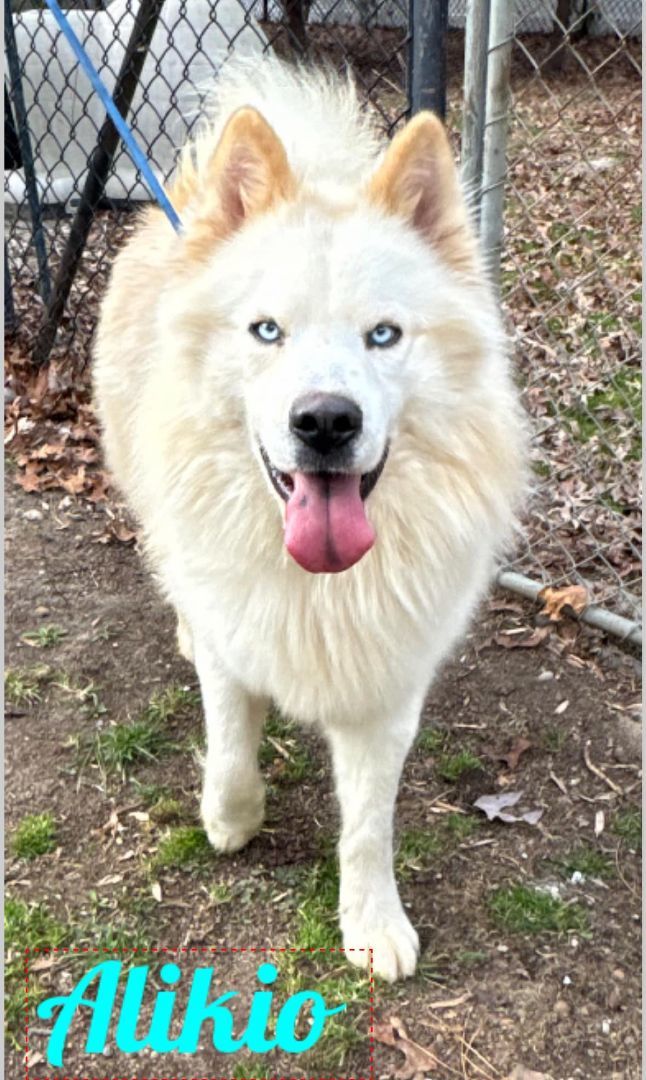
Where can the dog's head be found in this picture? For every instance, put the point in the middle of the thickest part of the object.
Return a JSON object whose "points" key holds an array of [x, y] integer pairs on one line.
{"points": [[323, 299]]}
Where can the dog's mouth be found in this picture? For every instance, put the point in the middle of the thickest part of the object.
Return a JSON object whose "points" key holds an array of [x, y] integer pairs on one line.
{"points": [[326, 528]]}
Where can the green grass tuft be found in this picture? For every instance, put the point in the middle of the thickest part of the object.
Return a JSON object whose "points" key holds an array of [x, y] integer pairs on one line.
{"points": [[587, 861], [44, 637], [26, 926], [34, 836], [281, 744], [452, 766], [431, 740], [185, 845], [628, 825], [415, 848], [121, 746], [173, 702], [521, 909], [23, 686], [317, 908]]}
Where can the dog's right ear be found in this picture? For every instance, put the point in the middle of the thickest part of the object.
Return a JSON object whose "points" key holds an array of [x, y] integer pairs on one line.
{"points": [[247, 174]]}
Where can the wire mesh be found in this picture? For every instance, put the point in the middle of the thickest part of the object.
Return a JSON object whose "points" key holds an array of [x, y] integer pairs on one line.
{"points": [[571, 285], [570, 273]]}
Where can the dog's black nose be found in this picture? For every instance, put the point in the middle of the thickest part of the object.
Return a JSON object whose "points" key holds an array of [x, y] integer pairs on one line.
{"points": [[325, 422]]}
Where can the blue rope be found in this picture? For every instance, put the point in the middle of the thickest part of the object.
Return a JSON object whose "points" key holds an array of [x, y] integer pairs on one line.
{"points": [[122, 127]]}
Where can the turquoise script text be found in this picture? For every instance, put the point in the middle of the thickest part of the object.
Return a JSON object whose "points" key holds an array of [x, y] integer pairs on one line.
{"points": [[104, 980]]}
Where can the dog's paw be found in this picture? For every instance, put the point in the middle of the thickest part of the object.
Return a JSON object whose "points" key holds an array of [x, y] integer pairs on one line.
{"points": [[230, 832], [394, 944]]}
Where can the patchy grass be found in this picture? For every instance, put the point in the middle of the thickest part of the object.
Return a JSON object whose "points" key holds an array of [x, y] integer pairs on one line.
{"points": [[597, 414], [115, 751], [554, 738], [184, 845], [460, 826], [220, 893], [521, 909], [628, 825], [431, 740], [45, 637], [23, 686], [586, 861], [120, 747], [91, 706], [26, 926], [281, 748], [34, 836], [166, 810], [317, 927], [172, 703], [415, 847], [452, 766], [317, 906]]}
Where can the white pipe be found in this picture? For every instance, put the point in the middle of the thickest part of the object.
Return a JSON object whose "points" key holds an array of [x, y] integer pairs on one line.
{"points": [[617, 625]]}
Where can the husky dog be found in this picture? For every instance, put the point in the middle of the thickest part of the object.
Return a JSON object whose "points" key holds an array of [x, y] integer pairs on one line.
{"points": [[306, 400]]}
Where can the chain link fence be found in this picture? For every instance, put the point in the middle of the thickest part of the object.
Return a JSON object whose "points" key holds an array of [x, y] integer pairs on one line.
{"points": [[572, 222], [571, 284]]}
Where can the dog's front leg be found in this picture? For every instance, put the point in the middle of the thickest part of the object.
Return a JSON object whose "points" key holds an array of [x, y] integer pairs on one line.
{"points": [[368, 761], [233, 796]]}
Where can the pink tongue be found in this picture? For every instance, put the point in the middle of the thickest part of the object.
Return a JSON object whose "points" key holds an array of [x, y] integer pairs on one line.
{"points": [[326, 529]]}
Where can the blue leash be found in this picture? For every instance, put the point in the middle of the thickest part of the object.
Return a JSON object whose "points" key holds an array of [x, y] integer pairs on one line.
{"points": [[122, 127]]}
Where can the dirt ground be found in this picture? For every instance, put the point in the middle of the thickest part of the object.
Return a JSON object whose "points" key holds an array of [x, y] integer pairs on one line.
{"points": [[530, 933]]}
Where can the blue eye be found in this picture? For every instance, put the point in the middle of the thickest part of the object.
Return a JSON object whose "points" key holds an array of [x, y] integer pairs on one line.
{"points": [[382, 336], [267, 331]]}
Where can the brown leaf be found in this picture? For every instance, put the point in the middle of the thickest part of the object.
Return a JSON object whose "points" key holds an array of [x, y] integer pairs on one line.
{"points": [[558, 603], [518, 747], [515, 641], [392, 1032]]}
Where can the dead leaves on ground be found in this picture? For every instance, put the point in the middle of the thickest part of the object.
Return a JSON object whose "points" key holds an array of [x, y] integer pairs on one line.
{"points": [[51, 433], [560, 608], [417, 1060], [569, 601]]}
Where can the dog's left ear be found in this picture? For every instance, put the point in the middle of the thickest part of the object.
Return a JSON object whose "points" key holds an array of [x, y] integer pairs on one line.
{"points": [[418, 180]]}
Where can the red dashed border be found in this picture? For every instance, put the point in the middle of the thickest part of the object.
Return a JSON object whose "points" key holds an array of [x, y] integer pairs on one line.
{"points": [[202, 950]]}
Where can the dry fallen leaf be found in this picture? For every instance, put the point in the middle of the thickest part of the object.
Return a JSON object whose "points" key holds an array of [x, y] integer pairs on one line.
{"points": [[392, 1032], [558, 603], [494, 806], [513, 640], [155, 889], [517, 748]]}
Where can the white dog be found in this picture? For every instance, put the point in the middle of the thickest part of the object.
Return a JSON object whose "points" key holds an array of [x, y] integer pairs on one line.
{"points": [[306, 399]]}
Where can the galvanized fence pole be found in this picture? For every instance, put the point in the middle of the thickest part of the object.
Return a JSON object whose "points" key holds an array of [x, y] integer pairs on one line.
{"points": [[494, 169], [26, 153], [9, 306], [428, 28], [99, 167], [476, 54]]}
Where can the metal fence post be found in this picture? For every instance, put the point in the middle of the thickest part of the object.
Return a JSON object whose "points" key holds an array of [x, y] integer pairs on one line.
{"points": [[428, 28], [476, 54], [98, 170], [494, 169], [9, 307], [24, 142]]}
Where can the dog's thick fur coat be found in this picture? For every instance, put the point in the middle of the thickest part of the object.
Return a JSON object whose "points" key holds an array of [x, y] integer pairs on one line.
{"points": [[297, 218]]}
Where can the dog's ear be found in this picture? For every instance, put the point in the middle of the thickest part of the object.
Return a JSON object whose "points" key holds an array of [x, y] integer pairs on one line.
{"points": [[247, 174], [417, 180]]}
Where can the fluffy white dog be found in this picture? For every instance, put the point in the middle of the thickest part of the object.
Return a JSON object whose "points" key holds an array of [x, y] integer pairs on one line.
{"points": [[306, 399]]}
